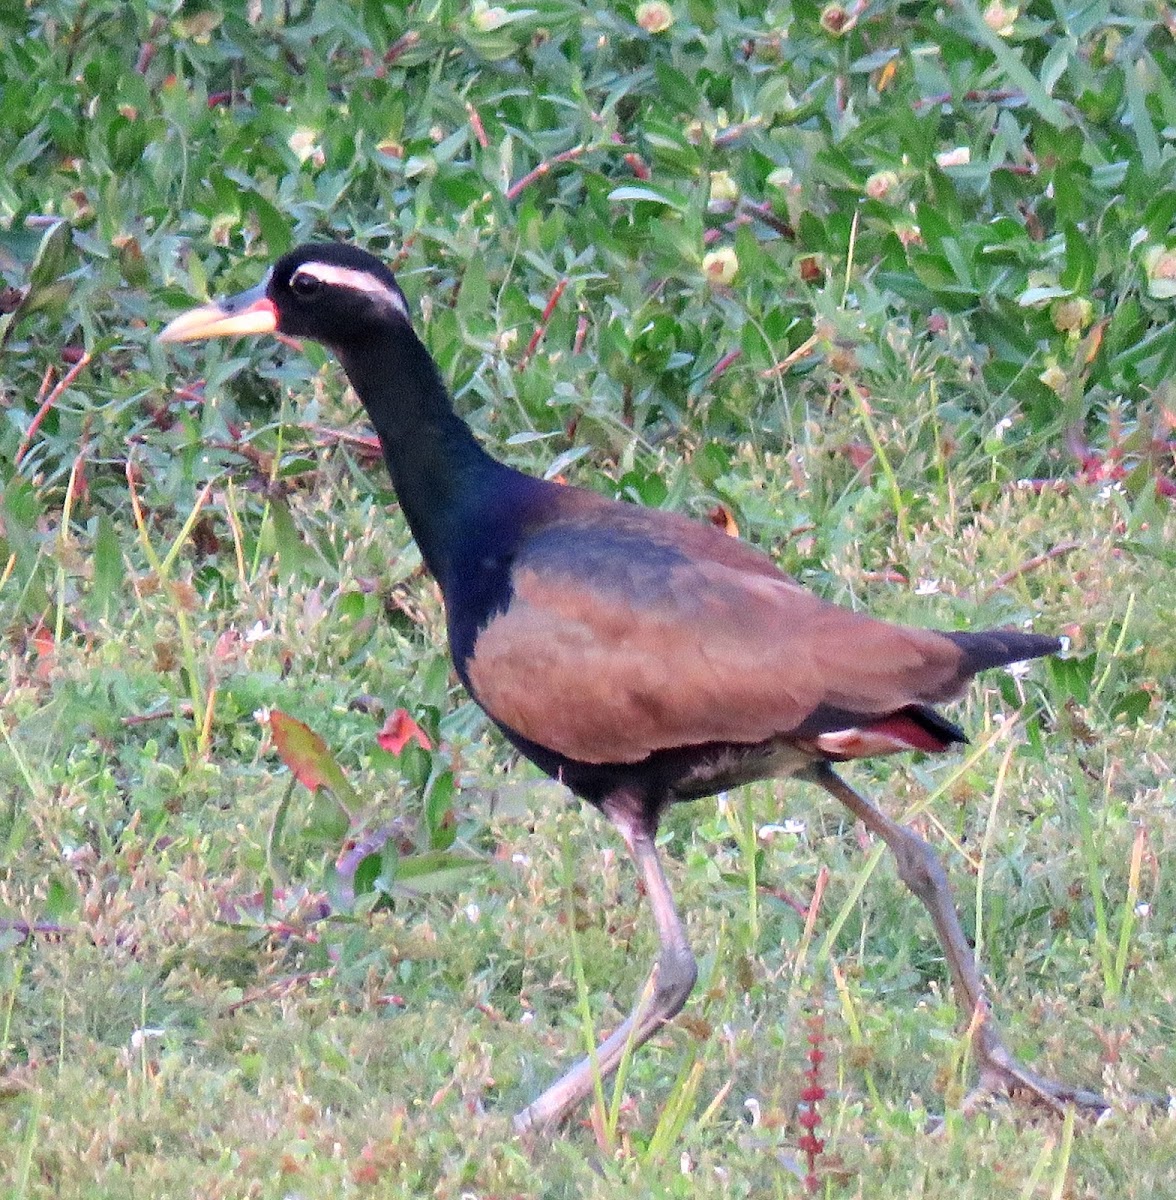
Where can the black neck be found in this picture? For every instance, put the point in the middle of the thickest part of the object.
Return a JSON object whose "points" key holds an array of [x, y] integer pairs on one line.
{"points": [[440, 473]]}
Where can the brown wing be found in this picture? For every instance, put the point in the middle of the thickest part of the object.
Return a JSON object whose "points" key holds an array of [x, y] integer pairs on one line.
{"points": [[631, 631]]}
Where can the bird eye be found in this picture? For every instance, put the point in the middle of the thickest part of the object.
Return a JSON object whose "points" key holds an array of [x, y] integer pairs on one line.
{"points": [[305, 285]]}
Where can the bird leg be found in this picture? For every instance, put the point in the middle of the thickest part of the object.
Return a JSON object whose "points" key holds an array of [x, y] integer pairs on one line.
{"points": [[920, 869], [662, 996]]}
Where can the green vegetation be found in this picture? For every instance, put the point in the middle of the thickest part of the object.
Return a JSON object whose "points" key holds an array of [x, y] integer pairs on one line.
{"points": [[855, 275]]}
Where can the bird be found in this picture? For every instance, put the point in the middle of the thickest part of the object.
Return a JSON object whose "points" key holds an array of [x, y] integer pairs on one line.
{"points": [[637, 656]]}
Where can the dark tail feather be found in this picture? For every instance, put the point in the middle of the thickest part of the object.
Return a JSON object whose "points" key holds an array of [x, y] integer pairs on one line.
{"points": [[935, 725], [999, 647]]}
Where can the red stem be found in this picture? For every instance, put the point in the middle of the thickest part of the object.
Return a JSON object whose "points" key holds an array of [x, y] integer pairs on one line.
{"points": [[541, 329]]}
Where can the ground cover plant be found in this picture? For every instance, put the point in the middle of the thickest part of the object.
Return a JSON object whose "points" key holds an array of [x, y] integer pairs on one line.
{"points": [[886, 287]]}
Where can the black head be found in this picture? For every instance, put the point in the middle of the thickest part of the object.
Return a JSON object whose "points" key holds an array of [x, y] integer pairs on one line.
{"points": [[334, 293], [330, 292]]}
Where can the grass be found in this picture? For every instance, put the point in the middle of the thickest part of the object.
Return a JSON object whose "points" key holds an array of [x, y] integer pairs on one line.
{"points": [[937, 386]]}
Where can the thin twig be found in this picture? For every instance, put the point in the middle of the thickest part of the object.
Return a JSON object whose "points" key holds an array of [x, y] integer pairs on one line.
{"points": [[763, 212], [520, 185], [734, 132], [184, 709], [477, 126], [581, 334], [975, 96], [1031, 564], [401, 46], [272, 991], [730, 357], [28, 929], [802, 351], [368, 443], [48, 403]]}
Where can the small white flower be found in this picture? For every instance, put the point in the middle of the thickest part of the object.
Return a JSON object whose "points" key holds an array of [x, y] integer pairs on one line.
{"points": [[473, 913], [768, 833], [257, 632], [927, 587], [140, 1037], [959, 157]]}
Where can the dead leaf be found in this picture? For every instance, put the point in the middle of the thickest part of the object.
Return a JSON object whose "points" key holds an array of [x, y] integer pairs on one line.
{"points": [[308, 757], [400, 729]]}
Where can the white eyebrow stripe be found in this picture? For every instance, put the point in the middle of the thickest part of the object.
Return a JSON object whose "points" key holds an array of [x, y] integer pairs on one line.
{"points": [[358, 281]]}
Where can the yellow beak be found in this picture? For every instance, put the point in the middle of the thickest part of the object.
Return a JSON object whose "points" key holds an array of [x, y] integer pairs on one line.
{"points": [[249, 312]]}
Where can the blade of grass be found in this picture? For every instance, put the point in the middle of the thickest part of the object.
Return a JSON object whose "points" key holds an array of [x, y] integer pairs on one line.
{"points": [[860, 879], [810, 922], [1094, 883], [676, 1110], [22, 765], [181, 538], [1063, 1169], [201, 717], [18, 965], [587, 1024], [1116, 650], [1127, 924], [902, 519], [986, 845], [63, 538], [1039, 1168], [856, 1037], [24, 1171]]}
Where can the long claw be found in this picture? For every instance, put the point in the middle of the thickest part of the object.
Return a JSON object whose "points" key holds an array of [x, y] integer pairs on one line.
{"points": [[921, 871]]}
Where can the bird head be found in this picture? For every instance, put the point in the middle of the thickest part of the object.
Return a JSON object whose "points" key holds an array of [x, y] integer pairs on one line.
{"points": [[328, 292]]}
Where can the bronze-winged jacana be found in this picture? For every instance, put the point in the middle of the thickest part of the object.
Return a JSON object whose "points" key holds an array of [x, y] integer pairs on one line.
{"points": [[639, 657]]}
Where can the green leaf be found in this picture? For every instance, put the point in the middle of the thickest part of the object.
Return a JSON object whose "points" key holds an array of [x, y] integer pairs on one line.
{"points": [[296, 556], [61, 901], [108, 570], [1146, 137], [631, 192], [1039, 295]]}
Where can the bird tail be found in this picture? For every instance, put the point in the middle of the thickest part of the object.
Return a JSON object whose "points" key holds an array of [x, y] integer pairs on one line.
{"points": [[999, 647]]}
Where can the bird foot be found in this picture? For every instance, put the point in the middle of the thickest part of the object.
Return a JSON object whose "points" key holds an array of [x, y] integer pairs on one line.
{"points": [[1002, 1075]]}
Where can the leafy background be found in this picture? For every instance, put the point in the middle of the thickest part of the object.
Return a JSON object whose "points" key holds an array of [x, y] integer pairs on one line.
{"points": [[889, 287]]}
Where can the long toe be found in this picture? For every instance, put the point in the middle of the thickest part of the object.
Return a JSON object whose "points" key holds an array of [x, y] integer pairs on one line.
{"points": [[1002, 1074]]}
